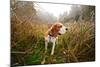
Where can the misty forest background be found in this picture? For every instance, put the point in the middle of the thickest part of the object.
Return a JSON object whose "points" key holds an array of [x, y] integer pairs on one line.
{"points": [[27, 35]]}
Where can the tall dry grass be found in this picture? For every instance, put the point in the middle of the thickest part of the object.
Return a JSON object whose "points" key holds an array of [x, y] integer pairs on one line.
{"points": [[79, 42], [77, 45]]}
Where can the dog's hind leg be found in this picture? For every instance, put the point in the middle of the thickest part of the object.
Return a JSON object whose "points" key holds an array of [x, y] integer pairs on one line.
{"points": [[46, 45]]}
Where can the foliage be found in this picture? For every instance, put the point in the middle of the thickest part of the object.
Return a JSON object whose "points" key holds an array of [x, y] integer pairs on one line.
{"points": [[77, 45], [27, 37], [79, 13]]}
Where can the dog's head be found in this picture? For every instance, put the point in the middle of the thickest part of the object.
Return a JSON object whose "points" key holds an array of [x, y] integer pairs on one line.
{"points": [[59, 28], [62, 29]]}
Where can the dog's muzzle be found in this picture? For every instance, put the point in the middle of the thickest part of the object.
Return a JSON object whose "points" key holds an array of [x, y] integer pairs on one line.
{"points": [[66, 29]]}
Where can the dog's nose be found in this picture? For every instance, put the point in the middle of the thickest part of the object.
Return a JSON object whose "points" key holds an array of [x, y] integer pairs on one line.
{"points": [[66, 28]]}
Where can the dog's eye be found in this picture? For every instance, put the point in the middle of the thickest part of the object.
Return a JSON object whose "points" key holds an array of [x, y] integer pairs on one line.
{"points": [[60, 26]]}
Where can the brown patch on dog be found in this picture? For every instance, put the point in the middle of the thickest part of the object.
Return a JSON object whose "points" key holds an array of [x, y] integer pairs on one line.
{"points": [[55, 29]]}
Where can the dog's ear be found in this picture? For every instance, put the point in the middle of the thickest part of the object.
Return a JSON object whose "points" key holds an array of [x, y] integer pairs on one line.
{"points": [[55, 29]]}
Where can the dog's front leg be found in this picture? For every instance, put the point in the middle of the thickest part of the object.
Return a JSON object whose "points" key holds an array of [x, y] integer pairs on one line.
{"points": [[53, 47]]}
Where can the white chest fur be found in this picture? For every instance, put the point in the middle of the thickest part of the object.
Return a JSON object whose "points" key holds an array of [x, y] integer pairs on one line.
{"points": [[51, 39]]}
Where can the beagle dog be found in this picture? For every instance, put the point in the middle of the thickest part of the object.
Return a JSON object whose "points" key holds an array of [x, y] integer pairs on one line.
{"points": [[52, 33]]}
